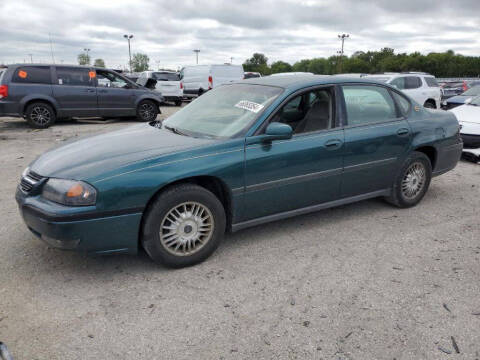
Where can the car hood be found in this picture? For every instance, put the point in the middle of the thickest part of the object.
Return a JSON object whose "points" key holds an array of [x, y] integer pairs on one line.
{"points": [[469, 117], [93, 156], [460, 99]]}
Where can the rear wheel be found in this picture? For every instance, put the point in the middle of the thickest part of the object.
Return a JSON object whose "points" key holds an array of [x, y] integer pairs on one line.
{"points": [[40, 115], [412, 182], [183, 226], [147, 110], [429, 105]]}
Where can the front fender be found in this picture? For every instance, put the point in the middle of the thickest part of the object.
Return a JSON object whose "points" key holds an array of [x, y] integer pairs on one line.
{"points": [[157, 98]]}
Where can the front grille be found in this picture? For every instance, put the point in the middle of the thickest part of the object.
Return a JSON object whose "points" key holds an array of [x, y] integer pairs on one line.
{"points": [[28, 182]]}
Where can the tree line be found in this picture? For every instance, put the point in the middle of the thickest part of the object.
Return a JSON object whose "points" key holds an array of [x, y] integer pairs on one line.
{"points": [[139, 61], [446, 64]]}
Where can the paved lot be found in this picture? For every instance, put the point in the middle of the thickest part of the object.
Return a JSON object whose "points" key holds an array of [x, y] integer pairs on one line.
{"points": [[364, 281]]}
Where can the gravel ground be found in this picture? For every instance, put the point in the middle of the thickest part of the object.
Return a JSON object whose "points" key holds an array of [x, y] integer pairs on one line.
{"points": [[363, 281]]}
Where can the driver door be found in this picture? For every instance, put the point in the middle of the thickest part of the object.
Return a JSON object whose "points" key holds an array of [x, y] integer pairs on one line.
{"points": [[115, 95]]}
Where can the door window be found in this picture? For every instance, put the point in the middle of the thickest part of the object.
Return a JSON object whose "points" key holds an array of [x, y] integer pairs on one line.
{"points": [[412, 82], [399, 83], [402, 102], [74, 76], [307, 112], [110, 80], [32, 75], [368, 104]]}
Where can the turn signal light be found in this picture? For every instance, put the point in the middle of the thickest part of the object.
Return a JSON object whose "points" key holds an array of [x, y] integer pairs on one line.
{"points": [[3, 91]]}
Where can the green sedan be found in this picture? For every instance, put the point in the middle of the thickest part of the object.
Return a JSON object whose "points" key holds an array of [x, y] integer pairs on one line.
{"points": [[241, 155]]}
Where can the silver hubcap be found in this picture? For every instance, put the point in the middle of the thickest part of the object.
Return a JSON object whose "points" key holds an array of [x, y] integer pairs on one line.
{"points": [[147, 111], [414, 180], [40, 115], [186, 228]]}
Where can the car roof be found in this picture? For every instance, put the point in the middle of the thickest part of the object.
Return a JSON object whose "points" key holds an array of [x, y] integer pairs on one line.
{"points": [[298, 81], [60, 65]]}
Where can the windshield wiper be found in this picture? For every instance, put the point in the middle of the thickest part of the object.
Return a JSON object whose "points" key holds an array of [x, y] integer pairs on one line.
{"points": [[175, 130]]}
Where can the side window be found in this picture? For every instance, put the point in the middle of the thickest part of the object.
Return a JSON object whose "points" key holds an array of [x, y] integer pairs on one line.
{"points": [[33, 75], [402, 102], [412, 82], [307, 112], [108, 79], [368, 104], [399, 83], [74, 76], [431, 81]]}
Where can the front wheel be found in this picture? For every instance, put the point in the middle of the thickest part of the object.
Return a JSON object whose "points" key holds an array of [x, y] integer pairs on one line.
{"points": [[147, 111], [429, 105], [412, 182], [183, 226]]}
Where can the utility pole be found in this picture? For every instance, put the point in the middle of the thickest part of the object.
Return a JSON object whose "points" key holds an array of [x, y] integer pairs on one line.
{"points": [[31, 57], [196, 51], [86, 53], [128, 37], [51, 47], [342, 37], [231, 60]]}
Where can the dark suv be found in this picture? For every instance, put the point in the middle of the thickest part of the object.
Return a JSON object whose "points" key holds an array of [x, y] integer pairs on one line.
{"points": [[43, 93]]}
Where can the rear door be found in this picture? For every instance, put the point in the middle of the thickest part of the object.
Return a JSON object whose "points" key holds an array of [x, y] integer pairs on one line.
{"points": [[116, 96], [168, 84], [224, 74], [74, 89], [377, 138]]}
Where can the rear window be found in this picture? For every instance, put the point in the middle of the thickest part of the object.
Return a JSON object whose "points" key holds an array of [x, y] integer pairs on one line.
{"points": [[166, 76], [431, 81], [32, 75], [74, 76]]}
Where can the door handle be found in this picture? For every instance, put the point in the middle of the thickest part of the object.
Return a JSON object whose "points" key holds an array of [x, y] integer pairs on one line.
{"points": [[333, 144], [402, 132], [90, 90]]}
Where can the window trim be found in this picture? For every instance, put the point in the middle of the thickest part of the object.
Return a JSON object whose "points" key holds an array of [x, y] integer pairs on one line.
{"points": [[398, 112], [335, 123]]}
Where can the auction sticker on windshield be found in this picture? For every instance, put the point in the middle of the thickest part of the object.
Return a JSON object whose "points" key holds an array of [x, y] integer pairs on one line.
{"points": [[249, 105]]}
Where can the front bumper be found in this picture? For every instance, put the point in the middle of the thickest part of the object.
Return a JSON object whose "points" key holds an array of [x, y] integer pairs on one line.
{"points": [[80, 229], [471, 141]]}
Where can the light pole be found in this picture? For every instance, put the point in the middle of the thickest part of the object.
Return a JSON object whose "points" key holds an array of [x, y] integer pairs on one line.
{"points": [[31, 58], [231, 60], [196, 51], [128, 37], [87, 57], [342, 37]]}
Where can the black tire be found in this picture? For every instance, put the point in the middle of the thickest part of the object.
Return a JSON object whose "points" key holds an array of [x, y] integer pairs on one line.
{"points": [[399, 196], [429, 105], [40, 115], [200, 92], [157, 214], [178, 102], [147, 110]]}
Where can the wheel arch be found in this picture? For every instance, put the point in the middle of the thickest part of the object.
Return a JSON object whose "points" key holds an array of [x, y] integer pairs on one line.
{"points": [[430, 152], [26, 102], [431, 101]]}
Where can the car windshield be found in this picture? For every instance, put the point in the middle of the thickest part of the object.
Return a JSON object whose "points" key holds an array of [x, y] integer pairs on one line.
{"points": [[223, 112], [166, 76], [474, 91], [475, 101]]}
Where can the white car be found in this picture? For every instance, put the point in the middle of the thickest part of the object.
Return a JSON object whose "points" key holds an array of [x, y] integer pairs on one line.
{"points": [[292, 73], [468, 116], [167, 82], [200, 78], [421, 87]]}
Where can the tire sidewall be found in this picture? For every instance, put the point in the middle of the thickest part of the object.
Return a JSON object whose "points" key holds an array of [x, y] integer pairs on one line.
{"points": [[139, 117], [415, 157], [162, 205], [28, 113]]}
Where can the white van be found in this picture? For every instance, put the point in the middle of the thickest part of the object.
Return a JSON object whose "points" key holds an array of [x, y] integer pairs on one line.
{"points": [[201, 78]]}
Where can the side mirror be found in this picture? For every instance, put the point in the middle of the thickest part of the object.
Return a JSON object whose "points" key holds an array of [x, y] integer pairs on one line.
{"points": [[468, 101], [277, 131]]}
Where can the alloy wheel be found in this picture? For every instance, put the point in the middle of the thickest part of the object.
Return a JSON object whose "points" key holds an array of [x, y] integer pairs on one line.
{"points": [[414, 180], [147, 111], [40, 115]]}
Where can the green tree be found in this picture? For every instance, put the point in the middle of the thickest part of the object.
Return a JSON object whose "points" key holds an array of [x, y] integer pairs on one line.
{"points": [[83, 59], [257, 63], [280, 67], [99, 63], [140, 62]]}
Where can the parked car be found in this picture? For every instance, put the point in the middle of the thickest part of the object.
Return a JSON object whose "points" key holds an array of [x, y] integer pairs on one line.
{"points": [[452, 88], [458, 100], [421, 87], [468, 115], [241, 155], [200, 78], [250, 75], [44, 93], [166, 82]]}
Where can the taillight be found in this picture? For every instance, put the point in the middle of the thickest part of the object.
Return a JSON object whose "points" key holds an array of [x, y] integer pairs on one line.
{"points": [[464, 86], [181, 85], [3, 91], [210, 82]]}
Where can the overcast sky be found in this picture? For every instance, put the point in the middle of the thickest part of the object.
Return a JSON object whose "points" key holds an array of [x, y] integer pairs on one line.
{"points": [[168, 31]]}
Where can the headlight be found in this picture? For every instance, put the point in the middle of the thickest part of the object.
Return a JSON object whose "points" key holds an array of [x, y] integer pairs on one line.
{"points": [[26, 171], [69, 192]]}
